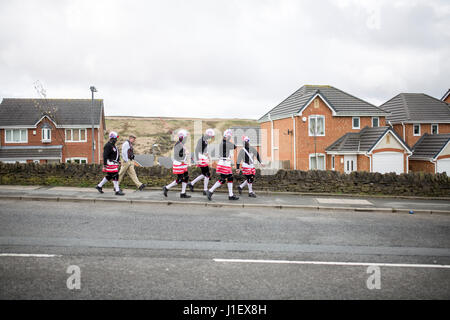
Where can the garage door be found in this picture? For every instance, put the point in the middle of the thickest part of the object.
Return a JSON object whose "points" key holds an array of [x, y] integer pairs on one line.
{"points": [[443, 166], [385, 162]]}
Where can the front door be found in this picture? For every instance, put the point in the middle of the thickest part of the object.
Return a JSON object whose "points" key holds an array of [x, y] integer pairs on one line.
{"points": [[349, 164]]}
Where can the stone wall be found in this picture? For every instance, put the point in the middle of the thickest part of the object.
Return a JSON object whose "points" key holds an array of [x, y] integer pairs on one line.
{"points": [[411, 184]]}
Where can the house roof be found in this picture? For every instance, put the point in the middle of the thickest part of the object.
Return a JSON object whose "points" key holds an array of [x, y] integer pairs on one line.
{"points": [[144, 160], [362, 141], [429, 146], [254, 133], [30, 152], [63, 112], [446, 95], [416, 107], [342, 103]]}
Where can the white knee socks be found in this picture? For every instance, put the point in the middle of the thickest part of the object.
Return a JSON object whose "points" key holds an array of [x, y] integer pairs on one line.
{"points": [[230, 189], [250, 188], [200, 177], [174, 183], [243, 184], [116, 185], [205, 183], [183, 187], [215, 186], [102, 183]]}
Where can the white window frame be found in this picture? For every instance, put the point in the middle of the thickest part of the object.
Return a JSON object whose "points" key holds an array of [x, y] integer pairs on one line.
{"points": [[21, 138], [79, 135], [73, 159], [333, 162], [309, 125], [437, 128], [378, 118], [313, 155], [420, 129], [49, 138], [353, 123]]}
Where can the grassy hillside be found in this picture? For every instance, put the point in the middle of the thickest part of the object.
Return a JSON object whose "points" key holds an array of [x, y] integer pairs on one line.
{"points": [[150, 131]]}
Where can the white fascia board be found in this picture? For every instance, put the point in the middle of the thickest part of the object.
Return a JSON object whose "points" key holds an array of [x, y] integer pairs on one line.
{"points": [[311, 100], [381, 139]]}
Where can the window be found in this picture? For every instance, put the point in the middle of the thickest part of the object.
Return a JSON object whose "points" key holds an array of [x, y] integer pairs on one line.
{"points": [[316, 163], [316, 126], [76, 135], [355, 123], [434, 129], [333, 165], [375, 122], [76, 160], [16, 135], [416, 129], [46, 135]]}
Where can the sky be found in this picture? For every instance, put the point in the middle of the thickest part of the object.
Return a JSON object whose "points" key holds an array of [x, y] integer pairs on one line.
{"points": [[221, 59]]}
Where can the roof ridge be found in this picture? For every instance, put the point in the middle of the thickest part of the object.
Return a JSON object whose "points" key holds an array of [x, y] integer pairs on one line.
{"points": [[405, 106]]}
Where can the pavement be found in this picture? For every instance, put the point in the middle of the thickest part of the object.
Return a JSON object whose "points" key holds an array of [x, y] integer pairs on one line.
{"points": [[275, 200]]}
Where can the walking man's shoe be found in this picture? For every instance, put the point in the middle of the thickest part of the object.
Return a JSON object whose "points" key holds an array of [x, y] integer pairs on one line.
{"points": [[209, 195], [100, 189], [165, 191], [191, 187], [120, 193], [205, 192], [252, 195], [233, 197], [239, 189], [142, 186], [184, 195]]}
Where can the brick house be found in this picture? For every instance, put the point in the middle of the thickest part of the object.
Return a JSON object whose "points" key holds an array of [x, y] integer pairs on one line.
{"points": [[296, 132], [51, 130], [414, 114], [378, 149], [446, 97], [431, 154]]}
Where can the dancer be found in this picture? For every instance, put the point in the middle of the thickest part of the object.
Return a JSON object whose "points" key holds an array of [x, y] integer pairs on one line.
{"points": [[247, 154], [111, 164], [180, 165], [226, 149], [202, 159]]}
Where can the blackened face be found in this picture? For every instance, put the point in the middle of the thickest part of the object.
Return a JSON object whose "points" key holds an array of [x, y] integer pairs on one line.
{"points": [[113, 140], [247, 144]]}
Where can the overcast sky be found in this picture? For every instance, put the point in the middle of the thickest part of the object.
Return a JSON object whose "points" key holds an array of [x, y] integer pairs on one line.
{"points": [[207, 58]]}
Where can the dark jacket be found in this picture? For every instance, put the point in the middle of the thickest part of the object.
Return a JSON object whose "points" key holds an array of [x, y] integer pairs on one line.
{"points": [[110, 152]]}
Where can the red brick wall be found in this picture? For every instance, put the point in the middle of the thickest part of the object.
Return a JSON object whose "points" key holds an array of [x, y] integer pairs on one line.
{"points": [[421, 166]]}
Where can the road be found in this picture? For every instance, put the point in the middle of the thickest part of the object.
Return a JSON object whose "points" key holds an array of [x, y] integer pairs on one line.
{"points": [[172, 252]]}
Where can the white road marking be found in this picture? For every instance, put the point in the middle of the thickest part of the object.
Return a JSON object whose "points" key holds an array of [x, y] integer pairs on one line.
{"points": [[29, 255], [344, 201], [399, 265]]}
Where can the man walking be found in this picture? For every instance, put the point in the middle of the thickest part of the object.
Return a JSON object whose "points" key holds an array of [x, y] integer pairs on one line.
{"points": [[226, 148], [180, 165], [202, 160], [128, 165], [111, 164], [247, 157]]}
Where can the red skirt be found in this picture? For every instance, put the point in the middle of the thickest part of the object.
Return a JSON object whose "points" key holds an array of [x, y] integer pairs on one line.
{"points": [[111, 168], [248, 171], [179, 167], [224, 167], [202, 162]]}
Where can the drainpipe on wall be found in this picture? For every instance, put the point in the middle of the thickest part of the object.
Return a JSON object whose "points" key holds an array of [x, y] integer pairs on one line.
{"points": [[295, 143], [404, 137], [271, 139]]}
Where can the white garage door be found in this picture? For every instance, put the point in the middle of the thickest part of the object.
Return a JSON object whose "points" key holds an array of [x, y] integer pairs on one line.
{"points": [[443, 166], [385, 162]]}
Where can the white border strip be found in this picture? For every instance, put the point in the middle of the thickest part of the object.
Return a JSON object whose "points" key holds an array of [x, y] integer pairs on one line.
{"points": [[29, 255], [399, 265]]}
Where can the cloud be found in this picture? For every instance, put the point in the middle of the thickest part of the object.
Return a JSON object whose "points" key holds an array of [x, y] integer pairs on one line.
{"points": [[221, 58]]}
